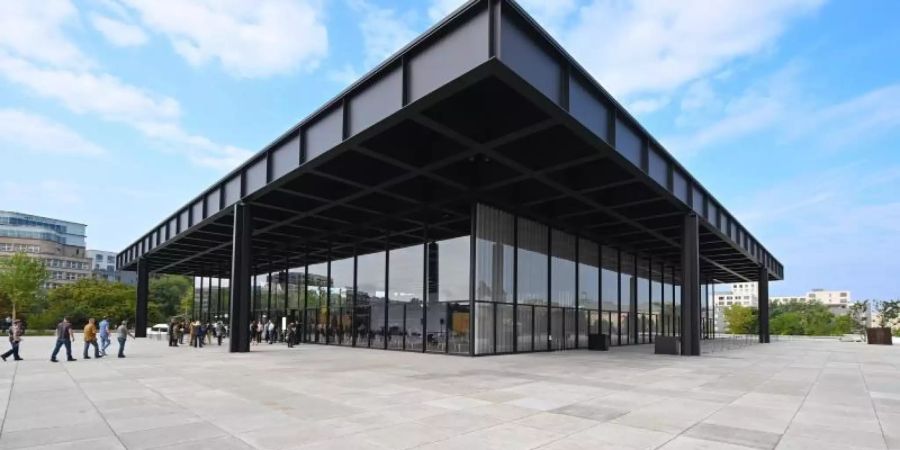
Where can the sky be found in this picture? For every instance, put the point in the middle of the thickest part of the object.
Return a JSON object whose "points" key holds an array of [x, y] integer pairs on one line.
{"points": [[114, 113]]}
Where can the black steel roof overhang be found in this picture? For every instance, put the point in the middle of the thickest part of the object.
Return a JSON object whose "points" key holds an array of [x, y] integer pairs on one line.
{"points": [[483, 106]]}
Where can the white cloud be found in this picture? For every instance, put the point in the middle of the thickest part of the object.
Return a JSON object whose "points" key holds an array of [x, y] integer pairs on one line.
{"points": [[119, 33], [249, 39], [345, 76], [83, 90], [384, 30], [648, 104], [441, 8], [88, 93], [59, 193], [33, 29], [20, 130], [781, 106], [648, 46], [832, 232]]}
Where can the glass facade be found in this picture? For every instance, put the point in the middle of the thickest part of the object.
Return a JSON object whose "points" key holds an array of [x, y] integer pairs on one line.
{"points": [[512, 285]]}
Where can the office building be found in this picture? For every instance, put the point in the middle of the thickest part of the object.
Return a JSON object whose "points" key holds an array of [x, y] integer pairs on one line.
{"points": [[478, 193], [59, 243], [103, 267]]}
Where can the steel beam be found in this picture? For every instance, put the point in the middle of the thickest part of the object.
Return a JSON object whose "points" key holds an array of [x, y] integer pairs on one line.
{"points": [[690, 287], [143, 290], [762, 294], [240, 279]]}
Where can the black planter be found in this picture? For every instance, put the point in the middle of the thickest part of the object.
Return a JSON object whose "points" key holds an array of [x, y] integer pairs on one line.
{"points": [[879, 336]]}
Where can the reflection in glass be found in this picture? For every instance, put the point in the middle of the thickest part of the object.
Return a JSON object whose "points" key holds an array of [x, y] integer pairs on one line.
{"points": [[340, 324], [610, 292], [405, 287], [448, 291], [588, 290], [627, 298], [317, 302], [370, 294]]}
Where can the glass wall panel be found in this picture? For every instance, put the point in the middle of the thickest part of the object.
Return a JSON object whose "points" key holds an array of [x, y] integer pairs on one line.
{"points": [[448, 287], [656, 302], [532, 265], [541, 328], [484, 328], [370, 295], [677, 308], [627, 296], [317, 302], [505, 323], [642, 284], [609, 294], [296, 285], [588, 290], [494, 255], [341, 322], [562, 290], [405, 286], [458, 340], [525, 324], [668, 293]]}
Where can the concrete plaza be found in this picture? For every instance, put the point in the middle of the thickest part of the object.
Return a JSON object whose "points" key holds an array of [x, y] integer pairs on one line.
{"points": [[815, 394]]}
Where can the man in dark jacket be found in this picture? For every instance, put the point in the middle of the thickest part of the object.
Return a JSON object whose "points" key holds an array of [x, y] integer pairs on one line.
{"points": [[64, 337], [15, 337]]}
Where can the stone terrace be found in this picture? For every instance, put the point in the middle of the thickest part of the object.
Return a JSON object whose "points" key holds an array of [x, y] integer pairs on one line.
{"points": [[814, 394]]}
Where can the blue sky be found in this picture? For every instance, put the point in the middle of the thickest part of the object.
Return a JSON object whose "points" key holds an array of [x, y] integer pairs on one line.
{"points": [[115, 112]]}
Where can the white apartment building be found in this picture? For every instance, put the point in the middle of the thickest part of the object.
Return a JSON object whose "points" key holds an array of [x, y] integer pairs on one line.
{"points": [[836, 301], [740, 294]]}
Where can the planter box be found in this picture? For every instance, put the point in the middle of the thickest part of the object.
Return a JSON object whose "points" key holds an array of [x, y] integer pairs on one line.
{"points": [[598, 342], [879, 336], [667, 345]]}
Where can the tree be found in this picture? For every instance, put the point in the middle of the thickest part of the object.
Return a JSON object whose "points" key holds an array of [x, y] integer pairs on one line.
{"points": [[21, 280], [88, 298], [741, 319], [166, 293], [858, 313], [787, 323]]}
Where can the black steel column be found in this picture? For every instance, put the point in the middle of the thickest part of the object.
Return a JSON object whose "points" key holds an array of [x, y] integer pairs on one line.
{"points": [[690, 287], [240, 292], [762, 286], [143, 291], [209, 300]]}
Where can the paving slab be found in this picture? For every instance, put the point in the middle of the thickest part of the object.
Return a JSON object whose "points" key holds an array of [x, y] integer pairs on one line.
{"points": [[786, 395]]}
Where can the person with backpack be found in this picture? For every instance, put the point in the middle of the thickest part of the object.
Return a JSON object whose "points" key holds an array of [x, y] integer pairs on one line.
{"points": [[15, 331]]}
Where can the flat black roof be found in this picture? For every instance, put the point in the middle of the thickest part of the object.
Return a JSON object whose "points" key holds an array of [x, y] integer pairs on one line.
{"points": [[485, 106]]}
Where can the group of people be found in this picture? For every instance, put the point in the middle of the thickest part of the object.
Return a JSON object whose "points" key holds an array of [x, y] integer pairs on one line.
{"points": [[198, 333], [65, 335], [270, 332]]}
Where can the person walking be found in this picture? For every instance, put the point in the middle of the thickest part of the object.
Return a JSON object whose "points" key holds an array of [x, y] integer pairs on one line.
{"points": [[64, 337], [192, 330], [173, 337], [210, 331], [220, 331], [201, 333], [16, 330], [253, 332], [291, 333], [180, 330], [270, 332], [122, 334], [90, 338], [104, 335]]}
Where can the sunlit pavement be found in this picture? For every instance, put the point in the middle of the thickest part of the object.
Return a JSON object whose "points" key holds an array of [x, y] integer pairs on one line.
{"points": [[817, 395]]}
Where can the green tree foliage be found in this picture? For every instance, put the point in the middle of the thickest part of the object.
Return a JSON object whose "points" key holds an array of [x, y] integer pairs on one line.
{"points": [[167, 294], [809, 319], [21, 280], [741, 319], [88, 298]]}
